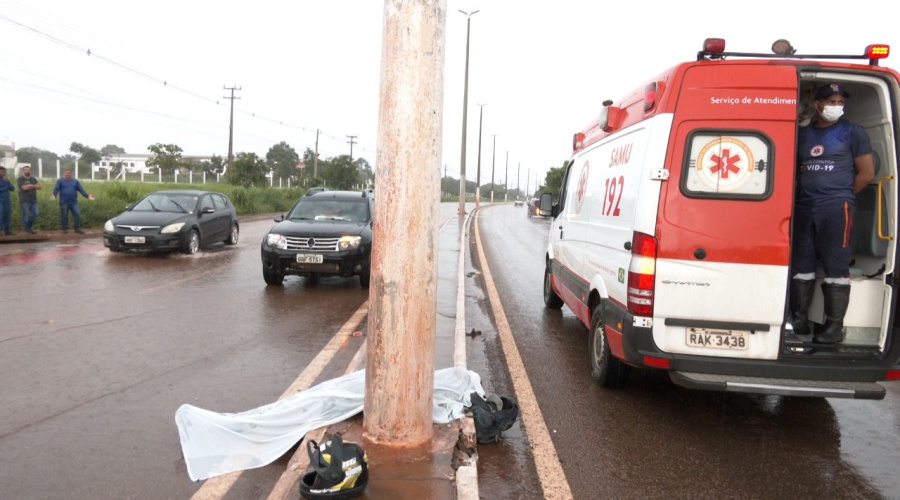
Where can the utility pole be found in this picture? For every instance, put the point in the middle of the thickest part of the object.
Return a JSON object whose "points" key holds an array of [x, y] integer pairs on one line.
{"points": [[462, 161], [492, 168], [506, 180], [478, 175], [351, 142], [528, 184], [398, 404], [316, 160], [518, 174], [231, 123]]}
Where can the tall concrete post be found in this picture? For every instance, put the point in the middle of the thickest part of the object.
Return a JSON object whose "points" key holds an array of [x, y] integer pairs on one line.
{"points": [[403, 292]]}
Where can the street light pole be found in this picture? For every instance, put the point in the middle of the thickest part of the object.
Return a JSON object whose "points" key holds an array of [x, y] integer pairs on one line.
{"points": [[518, 175], [462, 160], [492, 168], [478, 174], [506, 180]]}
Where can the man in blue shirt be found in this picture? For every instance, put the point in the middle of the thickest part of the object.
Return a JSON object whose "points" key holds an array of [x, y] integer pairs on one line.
{"points": [[68, 188], [6, 187], [835, 162]]}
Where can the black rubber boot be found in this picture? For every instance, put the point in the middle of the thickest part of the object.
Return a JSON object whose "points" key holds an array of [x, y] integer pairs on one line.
{"points": [[837, 298], [801, 298]]}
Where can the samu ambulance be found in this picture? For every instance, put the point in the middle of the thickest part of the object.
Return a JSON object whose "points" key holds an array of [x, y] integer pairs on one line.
{"points": [[671, 238]]}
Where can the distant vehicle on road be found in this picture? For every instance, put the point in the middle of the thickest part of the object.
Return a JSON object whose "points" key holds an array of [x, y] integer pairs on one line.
{"points": [[326, 233], [519, 202], [534, 209], [182, 220]]}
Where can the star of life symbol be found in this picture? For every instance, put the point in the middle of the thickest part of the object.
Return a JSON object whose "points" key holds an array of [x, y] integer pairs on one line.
{"points": [[725, 164], [817, 150], [582, 188]]}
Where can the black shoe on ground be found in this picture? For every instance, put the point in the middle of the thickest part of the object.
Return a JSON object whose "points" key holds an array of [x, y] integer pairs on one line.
{"points": [[79, 231], [32, 231], [66, 231]]}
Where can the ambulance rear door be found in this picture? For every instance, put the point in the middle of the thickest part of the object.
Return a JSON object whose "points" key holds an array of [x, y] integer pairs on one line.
{"points": [[724, 219]]}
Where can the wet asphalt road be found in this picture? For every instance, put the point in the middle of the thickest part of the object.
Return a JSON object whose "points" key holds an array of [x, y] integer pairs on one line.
{"points": [[653, 439], [98, 350]]}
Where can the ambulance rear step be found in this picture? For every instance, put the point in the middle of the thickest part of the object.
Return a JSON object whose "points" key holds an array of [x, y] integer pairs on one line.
{"points": [[778, 386]]}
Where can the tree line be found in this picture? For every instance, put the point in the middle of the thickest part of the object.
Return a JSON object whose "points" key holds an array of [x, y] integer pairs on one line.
{"points": [[247, 169]]}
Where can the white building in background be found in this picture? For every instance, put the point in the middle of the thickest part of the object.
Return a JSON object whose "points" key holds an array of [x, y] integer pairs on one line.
{"points": [[137, 163]]}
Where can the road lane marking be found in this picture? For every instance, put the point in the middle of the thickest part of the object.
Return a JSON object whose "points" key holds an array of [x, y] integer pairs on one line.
{"points": [[459, 339], [299, 462], [217, 487], [550, 472]]}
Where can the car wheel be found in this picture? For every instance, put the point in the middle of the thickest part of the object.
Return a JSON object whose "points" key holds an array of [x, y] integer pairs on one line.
{"points": [[551, 300], [193, 243], [364, 280], [273, 277], [605, 369], [233, 235]]}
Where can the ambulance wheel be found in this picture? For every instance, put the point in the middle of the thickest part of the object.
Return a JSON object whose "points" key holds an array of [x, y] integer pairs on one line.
{"points": [[605, 369], [551, 300]]}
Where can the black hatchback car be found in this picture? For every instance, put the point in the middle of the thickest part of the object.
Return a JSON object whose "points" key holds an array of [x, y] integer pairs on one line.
{"points": [[181, 220], [327, 233]]}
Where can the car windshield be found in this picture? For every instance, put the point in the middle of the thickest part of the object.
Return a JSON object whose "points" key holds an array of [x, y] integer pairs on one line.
{"points": [[330, 210], [167, 202]]}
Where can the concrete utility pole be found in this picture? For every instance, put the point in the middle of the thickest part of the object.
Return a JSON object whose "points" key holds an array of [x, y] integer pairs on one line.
{"points": [[478, 175], [506, 180], [231, 123], [492, 168], [316, 159], [397, 411], [351, 142], [462, 160], [518, 173], [527, 185]]}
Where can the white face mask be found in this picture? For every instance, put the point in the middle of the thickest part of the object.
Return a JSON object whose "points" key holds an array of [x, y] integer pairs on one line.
{"points": [[832, 113]]}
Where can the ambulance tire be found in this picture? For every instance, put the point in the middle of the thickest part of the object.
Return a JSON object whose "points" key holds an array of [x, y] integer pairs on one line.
{"points": [[551, 300], [606, 370]]}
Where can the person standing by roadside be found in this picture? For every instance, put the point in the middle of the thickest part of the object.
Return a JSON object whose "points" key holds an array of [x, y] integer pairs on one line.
{"points": [[68, 188], [28, 188], [6, 187]]}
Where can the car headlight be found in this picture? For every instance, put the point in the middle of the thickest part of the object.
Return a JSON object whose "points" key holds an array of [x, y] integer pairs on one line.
{"points": [[172, 228], [349, 242], [109, 227], [276, 240]]}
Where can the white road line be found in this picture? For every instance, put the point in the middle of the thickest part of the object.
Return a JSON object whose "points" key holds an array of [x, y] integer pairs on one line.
{"points": [[217, 487], [550, 472], [459, 338]]}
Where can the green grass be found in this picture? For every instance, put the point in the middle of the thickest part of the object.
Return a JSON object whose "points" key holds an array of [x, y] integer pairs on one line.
{"points": [[110, 199]]}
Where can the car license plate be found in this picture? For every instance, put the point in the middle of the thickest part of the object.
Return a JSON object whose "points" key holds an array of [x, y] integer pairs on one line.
{"points": [[134, 239], [717, 339], [303, 258]]}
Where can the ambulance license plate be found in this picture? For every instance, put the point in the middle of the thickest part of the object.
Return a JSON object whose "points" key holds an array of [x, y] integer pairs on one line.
{"points": [[137, 240], [717, 339], [303, 258]]}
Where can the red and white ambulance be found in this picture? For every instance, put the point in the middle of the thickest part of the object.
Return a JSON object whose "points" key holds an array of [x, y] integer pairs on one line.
{"points": [[671, 237]]}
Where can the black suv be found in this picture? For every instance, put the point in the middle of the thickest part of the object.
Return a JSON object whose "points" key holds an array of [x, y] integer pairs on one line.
{"points": [[327, 233]]}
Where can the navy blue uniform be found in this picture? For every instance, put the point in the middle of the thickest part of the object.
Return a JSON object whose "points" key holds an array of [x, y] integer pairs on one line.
{"points": [[823, 212]]}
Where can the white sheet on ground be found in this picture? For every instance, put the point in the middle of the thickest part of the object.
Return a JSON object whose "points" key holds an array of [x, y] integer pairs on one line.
{"points": [[218, 443]]}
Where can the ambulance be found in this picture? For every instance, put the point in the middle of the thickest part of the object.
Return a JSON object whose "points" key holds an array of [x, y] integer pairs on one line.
{"points": [[671, 236]]}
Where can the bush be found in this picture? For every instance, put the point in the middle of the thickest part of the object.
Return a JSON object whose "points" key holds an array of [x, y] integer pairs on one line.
{"points": [[111, 198]]}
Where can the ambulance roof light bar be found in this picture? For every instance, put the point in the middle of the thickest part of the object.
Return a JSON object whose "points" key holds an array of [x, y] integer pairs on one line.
{"points": [[714, 49]]}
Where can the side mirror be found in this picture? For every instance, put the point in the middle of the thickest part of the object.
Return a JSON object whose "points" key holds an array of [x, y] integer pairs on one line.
{"points": [[207, 210], [547, 204], [129, 206], [279, 218]]}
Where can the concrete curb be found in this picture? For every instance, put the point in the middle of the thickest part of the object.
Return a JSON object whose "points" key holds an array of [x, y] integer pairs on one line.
{"points": [[465, 455]]}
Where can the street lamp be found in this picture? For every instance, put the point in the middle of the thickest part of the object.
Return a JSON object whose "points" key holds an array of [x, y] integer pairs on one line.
{"points": [[478, 174], [462, 161], [492, 168], [506, 180]]}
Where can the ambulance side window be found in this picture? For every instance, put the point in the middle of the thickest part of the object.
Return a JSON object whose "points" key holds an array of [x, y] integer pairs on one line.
{"points": [[564, 189], [727, 164]]}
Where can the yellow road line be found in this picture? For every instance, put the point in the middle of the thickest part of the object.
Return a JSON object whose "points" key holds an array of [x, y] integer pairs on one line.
{"points": [[217, 487], [550, 472]]}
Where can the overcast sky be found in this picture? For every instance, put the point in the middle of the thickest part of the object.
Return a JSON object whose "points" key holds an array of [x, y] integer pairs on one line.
{"points": [[541, 68]]}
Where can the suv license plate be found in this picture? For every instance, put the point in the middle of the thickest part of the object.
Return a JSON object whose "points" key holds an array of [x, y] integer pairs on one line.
{"points": [[134, 239], [717, 339], [303, 258]]}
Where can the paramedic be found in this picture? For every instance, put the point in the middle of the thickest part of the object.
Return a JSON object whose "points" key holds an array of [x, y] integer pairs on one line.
{"points": [[835, 162]]}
